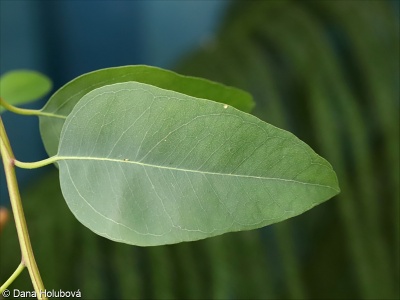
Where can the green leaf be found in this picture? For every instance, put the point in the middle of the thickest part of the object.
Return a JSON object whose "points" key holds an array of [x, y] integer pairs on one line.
{"points": [[148, 166], [23, 86], [64, 100]]}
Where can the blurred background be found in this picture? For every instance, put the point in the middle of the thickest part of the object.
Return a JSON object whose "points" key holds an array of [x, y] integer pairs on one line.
{"points": [[328, 71]]}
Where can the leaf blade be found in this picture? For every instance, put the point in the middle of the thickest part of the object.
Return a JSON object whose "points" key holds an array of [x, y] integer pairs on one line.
{"points": [[64, 100], [23, 86], [167, 167]]}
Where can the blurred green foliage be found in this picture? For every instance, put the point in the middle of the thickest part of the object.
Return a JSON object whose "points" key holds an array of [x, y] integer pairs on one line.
{"points": [[327, 71]]}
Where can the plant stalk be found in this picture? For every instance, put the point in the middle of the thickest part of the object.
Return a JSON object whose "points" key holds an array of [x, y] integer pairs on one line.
{"points": [[28, 258], [10, 280]]}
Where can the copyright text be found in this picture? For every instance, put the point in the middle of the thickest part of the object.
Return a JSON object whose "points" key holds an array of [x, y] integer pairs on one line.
{"points": [[46, 293]]}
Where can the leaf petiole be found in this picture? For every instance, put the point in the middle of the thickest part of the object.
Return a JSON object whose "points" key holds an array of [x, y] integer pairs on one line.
{"points": [[14, 275], [27, 112], [36, 164]]}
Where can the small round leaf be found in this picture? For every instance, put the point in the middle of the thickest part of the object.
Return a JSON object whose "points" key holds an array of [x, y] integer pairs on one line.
{"points": [[23, 86]]}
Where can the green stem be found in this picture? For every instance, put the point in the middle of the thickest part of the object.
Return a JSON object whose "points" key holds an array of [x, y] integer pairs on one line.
{"points": [[28, 112], [12, 277], [22, 230]]}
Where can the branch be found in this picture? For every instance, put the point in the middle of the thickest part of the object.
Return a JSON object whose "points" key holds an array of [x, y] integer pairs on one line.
{"points": [[28, 258]]}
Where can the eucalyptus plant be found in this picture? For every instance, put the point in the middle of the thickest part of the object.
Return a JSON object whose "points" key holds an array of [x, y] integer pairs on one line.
{"points": [[149, 157]]}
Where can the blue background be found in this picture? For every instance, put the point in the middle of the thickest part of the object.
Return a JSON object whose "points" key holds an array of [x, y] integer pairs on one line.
{"points": [[64, 39]]}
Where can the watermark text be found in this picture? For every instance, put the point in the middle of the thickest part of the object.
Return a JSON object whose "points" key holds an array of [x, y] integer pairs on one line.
{"points": [[15, 293]]}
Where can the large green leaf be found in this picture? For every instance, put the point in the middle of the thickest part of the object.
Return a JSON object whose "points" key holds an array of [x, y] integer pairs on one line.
{"points": [[23, 86], [64, 100], [148, 166]]}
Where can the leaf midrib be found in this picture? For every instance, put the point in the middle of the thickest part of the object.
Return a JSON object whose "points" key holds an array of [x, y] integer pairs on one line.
{"points": [[60, 158]]}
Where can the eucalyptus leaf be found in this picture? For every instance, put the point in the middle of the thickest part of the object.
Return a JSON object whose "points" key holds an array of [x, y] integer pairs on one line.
{"points": [[63, 101], [147, 166], [23, 86]]}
